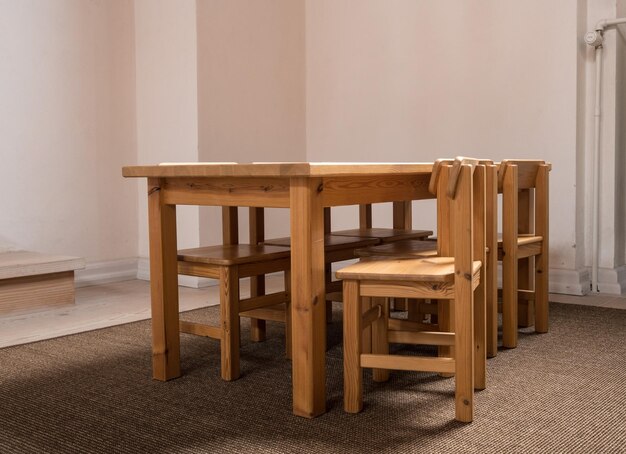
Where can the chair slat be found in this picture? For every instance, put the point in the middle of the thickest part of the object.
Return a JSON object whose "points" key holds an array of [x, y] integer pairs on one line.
{"points": [[396, 362]]}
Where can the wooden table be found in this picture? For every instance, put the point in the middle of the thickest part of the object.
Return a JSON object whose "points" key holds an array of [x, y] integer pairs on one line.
{"points": [[305, 188]]}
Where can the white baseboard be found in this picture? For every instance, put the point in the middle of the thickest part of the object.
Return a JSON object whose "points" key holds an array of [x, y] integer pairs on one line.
{"points": [[569, 282], [106, 272], [612, 281], [126, 269], [143, 273], [143, 268]]}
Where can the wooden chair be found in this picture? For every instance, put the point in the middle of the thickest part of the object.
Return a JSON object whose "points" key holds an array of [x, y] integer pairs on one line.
{"points": [[337, 248], [457, 276], [384, 235], [229, 263], [428, 248], [524, 185], [402, 231]]}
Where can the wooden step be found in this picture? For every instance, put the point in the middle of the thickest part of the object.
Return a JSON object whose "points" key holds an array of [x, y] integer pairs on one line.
{"points": [[32, 281]]}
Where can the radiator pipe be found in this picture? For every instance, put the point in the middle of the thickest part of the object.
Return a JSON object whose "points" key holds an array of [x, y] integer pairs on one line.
{"points": [[595, 39]]}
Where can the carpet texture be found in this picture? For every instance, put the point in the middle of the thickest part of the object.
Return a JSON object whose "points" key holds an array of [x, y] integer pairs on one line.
{"points": [[564, 391]]}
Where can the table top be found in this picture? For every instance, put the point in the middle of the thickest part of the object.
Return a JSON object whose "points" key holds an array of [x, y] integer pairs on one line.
{"points": [[273, 169]]}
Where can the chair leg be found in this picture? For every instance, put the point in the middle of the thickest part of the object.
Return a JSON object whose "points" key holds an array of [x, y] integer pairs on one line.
{"points": [[413, 308], [288, 314], [491, 269], [366, 334], [443, 319], [380, 341], [229, 307], [328, 276], [257, 326], [257, 330], [491, 287], [399, 304], [352, 372], [509, 300], [525, 313], [480, 334], [541, 293], [445, 316], [464, 356]]}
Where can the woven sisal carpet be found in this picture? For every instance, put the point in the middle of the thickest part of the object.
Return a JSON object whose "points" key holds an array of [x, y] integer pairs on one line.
{"points": [[559, 392]]}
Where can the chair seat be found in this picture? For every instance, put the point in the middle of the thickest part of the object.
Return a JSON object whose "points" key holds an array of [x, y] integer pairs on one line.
{"points": [[233, 254], [385, 235], [332, 243], [404, 248], [433, 269]]}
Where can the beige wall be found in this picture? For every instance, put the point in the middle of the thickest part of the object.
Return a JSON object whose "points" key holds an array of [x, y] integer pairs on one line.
{"points": [[87, 87], [417, 80], [67, 115], [167, 99], [251, 93], [251, 80]]}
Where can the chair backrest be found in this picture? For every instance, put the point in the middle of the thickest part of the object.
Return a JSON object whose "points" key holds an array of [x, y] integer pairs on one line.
{"points": [[461, 212], [444, 184], [524, 186]]}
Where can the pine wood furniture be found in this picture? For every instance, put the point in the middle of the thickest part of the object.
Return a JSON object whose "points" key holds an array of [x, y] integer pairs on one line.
{"points": [[428, 248], [402, 230], [230, 236], [337, 248], [305, 188], [229, 263], [524, 186], [455, 274]]}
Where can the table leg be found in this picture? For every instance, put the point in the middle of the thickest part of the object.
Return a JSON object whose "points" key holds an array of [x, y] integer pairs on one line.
{"points": [[308, 308], [257, 283], [163, 284], [402, 215]]}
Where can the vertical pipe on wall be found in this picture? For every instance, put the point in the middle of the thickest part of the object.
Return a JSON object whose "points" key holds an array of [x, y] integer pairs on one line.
{"points": [[596, 174], [595, 39]]}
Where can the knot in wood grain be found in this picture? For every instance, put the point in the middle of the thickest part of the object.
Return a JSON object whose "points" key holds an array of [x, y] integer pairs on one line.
{"points": [[154, 189], [320, 188]]}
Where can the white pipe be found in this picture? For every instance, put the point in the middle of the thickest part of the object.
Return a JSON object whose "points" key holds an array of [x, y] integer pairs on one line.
{"points": [[595, 39], [596, 174], [609, 23]]}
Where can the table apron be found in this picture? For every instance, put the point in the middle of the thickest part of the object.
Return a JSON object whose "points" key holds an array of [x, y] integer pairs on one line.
{"points": [[274, 192], [357, 190], [227, 191]]}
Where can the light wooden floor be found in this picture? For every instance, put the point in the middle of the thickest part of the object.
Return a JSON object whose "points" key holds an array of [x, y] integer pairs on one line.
{"points": [[104, 305], [122, 302]]}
